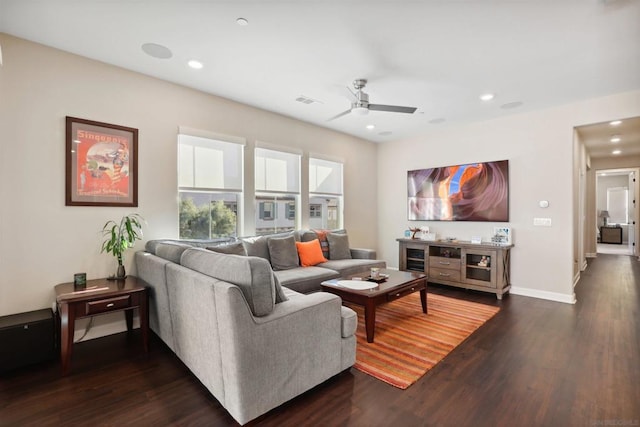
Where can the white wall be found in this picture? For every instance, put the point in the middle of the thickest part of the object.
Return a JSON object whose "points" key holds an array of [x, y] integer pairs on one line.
{"points": [[540, 150], [42, 241]]}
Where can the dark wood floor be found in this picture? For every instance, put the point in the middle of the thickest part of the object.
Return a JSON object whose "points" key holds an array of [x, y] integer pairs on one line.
{"points": [[536, 363]]}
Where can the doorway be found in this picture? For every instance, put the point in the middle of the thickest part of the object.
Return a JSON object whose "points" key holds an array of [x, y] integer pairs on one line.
{"points": [[616, 191]]}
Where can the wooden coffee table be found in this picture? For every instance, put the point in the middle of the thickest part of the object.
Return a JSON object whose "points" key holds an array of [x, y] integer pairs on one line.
{"points": [[397, 285]]}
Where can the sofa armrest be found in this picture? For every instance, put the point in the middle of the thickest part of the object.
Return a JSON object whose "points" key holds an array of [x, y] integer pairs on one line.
{"points": [[359, 253], [268, 360]]}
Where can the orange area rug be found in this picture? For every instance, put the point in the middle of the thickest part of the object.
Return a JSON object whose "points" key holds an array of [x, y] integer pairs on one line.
{"points": [[408, 342]]}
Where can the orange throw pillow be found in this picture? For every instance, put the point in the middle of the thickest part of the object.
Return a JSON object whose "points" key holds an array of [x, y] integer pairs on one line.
{"points": [[310, 253]]}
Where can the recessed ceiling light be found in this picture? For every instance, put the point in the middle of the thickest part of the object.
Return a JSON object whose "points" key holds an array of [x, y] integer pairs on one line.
{"points": [[157, 50], [487, 97], [615, 122], [370, 127], [615, 138], [616, 152], [242, 22], [195, 64], [511, 105]]}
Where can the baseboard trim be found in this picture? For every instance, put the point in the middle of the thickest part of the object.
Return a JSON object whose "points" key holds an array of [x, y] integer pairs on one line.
{"points": [[584, 265], [591, 255], [551, 296], [104, 325], [576, 278]]}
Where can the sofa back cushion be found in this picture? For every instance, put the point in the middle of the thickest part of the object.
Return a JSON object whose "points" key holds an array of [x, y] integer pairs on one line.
{"points": [[170, 251], [235, 248], [252, 275], [283, 253], [338, 246]]}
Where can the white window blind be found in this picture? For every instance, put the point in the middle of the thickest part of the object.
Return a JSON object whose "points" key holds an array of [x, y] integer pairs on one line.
{"points": [[209, 164], [325, 177], [277, 171]]}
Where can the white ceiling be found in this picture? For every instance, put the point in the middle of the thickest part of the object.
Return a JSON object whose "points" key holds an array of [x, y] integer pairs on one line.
{"points": [[436, 55]]}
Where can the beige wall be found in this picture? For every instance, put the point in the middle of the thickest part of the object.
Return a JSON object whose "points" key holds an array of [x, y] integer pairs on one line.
{"points": [[43, 242], [540, 148]]}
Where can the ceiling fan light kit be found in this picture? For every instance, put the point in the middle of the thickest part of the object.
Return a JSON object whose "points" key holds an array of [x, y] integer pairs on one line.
{"points": [[361, 106]]}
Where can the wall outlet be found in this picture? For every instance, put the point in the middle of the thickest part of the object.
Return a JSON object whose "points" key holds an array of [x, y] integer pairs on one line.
{"points": [[542, 222]]}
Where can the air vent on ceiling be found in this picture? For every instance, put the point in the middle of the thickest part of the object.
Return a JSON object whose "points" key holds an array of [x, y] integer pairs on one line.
{"points": [[307, 100]]}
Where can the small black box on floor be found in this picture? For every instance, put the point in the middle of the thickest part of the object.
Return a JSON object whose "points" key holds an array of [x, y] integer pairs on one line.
{"points": [[26, 338]]}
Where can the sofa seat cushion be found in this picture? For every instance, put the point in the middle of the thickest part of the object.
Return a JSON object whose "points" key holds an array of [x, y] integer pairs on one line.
{"points": [[349, 321], [353, 266], [305, 279], [253, 275]]}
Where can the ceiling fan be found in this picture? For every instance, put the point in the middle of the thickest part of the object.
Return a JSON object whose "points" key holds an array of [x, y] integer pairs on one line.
{"points": [[361, 103]]}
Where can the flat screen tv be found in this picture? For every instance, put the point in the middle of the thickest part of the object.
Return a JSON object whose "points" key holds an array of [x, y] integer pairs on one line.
{"points": [[471, 192]]}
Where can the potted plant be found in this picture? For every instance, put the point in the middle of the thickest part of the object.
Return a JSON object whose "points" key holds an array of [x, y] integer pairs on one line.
{"points": [[121, 236]]}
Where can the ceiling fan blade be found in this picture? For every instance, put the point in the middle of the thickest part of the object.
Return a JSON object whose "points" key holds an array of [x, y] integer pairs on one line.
{"points": [[392, 108], [344, 113]]}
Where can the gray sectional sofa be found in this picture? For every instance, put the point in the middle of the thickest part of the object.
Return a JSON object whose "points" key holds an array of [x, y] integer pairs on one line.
{"points": [[253, 336]]}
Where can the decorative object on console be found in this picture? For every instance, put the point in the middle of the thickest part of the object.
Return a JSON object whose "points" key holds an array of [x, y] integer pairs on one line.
{"points": [[502, 235], [101, 164], [470, 192], [121, 236], [605, 216], [414, 231]]}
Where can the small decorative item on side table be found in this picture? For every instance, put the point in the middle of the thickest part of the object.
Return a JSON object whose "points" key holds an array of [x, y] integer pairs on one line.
{"points": [[119, 237], [100, 296], [79, 281]]}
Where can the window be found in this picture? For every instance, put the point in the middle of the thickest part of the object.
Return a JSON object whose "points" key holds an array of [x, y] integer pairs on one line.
{"points": [[209, 185], [325, 194], [618, 205], [291, 211], [277, 181], [267, 211], [315, 211]]}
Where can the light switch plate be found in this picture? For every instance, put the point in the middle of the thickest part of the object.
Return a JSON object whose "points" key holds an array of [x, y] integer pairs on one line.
{"points": [[542, 222]]}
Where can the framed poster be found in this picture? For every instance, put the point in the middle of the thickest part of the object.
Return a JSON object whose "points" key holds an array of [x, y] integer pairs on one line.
{"points": [[102, 164]]}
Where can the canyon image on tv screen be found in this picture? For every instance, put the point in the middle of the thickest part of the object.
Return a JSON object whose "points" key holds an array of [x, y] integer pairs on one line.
{"points": [[470, 192]]}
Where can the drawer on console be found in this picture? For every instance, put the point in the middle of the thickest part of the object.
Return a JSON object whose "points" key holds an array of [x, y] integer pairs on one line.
{"points": [[442, 262], [405, 291], [436, 274], [108, 304]]}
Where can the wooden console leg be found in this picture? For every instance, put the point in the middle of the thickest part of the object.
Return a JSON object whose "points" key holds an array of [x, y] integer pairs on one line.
{"points": [[423, 299]]}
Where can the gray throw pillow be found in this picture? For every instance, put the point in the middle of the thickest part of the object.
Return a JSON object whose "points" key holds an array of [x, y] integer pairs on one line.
{"points": [[280, 296], [283, 253], [338, 246], [236, 248]]}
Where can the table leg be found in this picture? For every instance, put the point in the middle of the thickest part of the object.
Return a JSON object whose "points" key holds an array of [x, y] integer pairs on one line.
{"points": [[370, 319], [128, 316], [67, 326], [423, 299], [143, 312]]}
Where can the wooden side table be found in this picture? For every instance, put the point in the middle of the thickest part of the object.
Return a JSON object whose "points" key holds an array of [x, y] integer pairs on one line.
{"points": [[100, 296]]}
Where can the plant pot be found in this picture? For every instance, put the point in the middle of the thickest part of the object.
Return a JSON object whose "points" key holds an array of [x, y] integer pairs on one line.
{"points": [[120, 273]]}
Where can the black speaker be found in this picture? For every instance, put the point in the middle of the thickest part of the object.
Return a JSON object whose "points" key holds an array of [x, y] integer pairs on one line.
{"points": [[26, 338]]}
